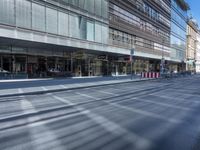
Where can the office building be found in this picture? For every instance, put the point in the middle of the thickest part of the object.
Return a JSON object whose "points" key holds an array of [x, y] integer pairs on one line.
{"points": [[178, 34], [43, 38]]}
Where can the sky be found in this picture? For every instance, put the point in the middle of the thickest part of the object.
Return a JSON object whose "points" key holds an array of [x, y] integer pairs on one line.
{"points": [[195, 9]]}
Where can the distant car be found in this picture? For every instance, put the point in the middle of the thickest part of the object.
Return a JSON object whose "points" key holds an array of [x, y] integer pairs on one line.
{"points": [[3, 71], [55, 73]]}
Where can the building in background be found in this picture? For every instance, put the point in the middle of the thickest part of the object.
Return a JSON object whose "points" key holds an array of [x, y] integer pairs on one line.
{"points": [[178, 35], [191, 52], [144, 25], [197, 64]]}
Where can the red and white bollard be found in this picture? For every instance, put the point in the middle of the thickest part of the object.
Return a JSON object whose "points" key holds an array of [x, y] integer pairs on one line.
{"points": [[157, 74], [153, 75], [150, 75]]}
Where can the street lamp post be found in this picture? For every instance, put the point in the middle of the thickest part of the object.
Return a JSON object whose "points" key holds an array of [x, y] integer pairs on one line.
{"points": [[131, 59], [162, 59]]}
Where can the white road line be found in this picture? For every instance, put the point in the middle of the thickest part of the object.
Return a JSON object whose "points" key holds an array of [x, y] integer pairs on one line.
{"points": [[20, 91], [42, 135], [63, 86], [44, 88], [104, 92], [139, 142], [88, 96]]}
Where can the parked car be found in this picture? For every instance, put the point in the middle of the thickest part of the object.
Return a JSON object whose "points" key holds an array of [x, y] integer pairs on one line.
{"points": [[3, 71]]}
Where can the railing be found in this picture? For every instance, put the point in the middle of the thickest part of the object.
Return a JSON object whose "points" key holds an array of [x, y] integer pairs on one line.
{"points": [[4, 76]]}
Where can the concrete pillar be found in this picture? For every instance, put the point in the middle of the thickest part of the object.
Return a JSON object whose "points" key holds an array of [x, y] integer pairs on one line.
{"points": [[71, 62], [26, 65], [1, 62]]}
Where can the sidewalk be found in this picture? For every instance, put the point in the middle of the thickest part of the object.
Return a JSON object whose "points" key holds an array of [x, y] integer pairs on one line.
{"points": [[41, 86]]}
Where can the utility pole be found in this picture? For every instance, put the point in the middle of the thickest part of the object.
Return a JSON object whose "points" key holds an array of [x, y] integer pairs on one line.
{"points": [[162, 59], [131, 59]]}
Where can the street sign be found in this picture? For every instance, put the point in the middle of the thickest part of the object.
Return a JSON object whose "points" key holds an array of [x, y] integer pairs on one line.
{"points": [[102, 57], [132, 51]]}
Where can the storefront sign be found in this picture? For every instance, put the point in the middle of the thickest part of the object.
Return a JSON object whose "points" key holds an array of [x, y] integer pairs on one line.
{"points": [[79, 55], [102, 57]]}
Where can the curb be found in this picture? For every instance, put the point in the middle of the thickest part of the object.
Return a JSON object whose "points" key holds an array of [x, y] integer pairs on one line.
{"points": [[72, 88]]}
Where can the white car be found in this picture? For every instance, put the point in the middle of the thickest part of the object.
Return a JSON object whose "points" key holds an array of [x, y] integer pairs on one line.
{"points": [[3, 71]]}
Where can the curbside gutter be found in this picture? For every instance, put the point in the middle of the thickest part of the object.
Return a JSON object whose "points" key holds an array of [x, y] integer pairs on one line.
{"points": [[70, 88]]}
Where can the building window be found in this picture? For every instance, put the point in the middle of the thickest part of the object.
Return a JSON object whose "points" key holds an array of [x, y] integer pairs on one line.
{"points": [[7, 12], [90, 31], [98, 7], [23, 13], [51, 20], [74, 26], [38, 17], [98, 32], [63, 21]]}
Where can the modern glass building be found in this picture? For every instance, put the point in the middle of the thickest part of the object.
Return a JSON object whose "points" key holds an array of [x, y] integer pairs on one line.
{"points": [[178, 36], [45, 37]]}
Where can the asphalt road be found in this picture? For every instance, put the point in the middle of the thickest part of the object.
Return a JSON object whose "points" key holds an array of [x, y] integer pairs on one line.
{"points": [[150, 115]]}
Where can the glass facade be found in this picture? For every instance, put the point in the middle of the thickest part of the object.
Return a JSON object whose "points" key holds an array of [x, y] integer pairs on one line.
{"points": [[178, 32], [82, 21], [7, 13], [97, 7], [38, 17], [54, 20], [23, 14]]}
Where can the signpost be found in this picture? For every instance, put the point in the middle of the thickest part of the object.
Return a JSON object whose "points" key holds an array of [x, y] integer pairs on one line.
{"points": [[162, 65], [131, 60]]}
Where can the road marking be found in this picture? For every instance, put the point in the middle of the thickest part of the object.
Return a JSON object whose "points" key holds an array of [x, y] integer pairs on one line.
{"points": [[139, 142], [88, 96], [44, 88], [20, 90], [42, 135], [104, 92], [63, 86]]}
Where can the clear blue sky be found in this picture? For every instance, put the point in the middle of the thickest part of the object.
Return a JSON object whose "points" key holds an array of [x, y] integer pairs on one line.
{"points": [[195, 9]]}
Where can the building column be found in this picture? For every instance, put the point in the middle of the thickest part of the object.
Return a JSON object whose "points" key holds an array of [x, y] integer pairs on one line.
{"points": [[13, 64], [71, 62], [89, 67], [26, 65], [1, 62]]}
